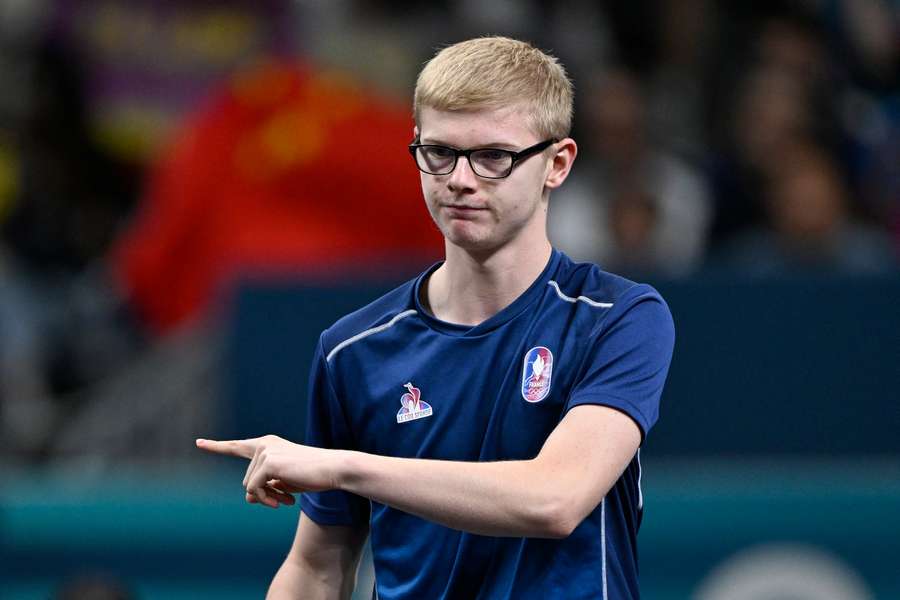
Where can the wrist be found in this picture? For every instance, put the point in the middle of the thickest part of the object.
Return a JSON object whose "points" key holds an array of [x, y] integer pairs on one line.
{"points": [[343, 468]]}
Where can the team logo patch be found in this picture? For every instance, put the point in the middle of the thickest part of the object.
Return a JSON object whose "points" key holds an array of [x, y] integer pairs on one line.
{"points": [[413, 406], [536, 374]]}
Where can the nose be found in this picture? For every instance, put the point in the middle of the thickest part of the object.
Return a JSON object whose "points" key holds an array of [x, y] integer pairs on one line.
{"points": [[462, 177]]}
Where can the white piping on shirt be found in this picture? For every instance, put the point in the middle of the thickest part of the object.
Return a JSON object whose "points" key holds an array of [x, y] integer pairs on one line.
{"points": [[368, 332], [584, 299], [640, 473], [603, 542]]}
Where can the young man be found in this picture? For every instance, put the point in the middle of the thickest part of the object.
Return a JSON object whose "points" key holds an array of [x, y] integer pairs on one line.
{"points": [[481, 422]]}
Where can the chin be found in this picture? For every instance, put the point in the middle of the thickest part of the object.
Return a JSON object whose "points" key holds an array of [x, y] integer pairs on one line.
{"points": [[467, 237], [476, 246], [468, 242]]}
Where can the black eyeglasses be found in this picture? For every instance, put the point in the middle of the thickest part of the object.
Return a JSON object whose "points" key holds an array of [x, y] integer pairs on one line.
{"points": [[490, 163]]}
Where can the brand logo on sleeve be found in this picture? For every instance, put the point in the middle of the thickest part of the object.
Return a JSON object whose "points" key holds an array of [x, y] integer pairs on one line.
{"points": [[413, 406], [536, 373]]}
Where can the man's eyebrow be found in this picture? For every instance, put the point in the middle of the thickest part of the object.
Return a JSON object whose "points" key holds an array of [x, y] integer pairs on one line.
{"points": [[438, 142]]}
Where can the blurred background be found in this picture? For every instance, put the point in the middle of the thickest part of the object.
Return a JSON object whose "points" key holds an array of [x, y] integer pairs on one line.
{"points": [[191, 190]]}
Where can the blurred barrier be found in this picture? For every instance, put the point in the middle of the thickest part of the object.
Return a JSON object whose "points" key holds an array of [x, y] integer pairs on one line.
{"points": [[709, 525], [800, 366], [770, 529], [269, 350], [175, 538]]}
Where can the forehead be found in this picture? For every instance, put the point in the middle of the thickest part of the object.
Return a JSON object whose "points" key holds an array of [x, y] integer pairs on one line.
{"points": [[505, 126]]}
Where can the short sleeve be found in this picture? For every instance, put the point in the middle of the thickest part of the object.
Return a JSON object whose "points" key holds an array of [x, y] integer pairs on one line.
{"points": [[629, 359], [327, 428]]}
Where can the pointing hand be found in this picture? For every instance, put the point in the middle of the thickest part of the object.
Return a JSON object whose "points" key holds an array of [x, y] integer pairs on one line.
{"points": [[278, 468]]}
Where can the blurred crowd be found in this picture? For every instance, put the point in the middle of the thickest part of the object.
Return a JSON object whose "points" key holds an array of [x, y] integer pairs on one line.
{"points": [[154, 154], [757, 137]]}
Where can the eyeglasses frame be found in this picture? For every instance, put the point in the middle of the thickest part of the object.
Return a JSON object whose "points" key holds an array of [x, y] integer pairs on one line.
{"points": [[517, 157]]}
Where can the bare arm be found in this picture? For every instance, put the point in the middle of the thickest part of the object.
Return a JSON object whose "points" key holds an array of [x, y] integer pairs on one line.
{"points": [[547, 496], [321, 564]]}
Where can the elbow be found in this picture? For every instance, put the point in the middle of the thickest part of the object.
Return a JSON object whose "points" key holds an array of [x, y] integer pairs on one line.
{"points": [[559, 529], [557, 519]]}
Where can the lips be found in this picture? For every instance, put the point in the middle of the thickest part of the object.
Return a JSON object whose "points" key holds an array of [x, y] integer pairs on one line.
{"points": [[463, 211], [464, 207]]}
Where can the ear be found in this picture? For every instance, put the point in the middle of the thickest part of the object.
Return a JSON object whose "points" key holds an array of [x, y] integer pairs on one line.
{"points": [[415, 132], [561, 164]]}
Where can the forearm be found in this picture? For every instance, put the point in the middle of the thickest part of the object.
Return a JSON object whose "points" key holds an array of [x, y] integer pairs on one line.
{"points": [[511, 498], [547, 496], [296, 580], [321, 564]]}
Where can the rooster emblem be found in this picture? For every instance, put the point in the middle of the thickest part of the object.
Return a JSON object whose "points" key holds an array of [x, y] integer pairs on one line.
{"points": [[412, 405], [410, 400]]}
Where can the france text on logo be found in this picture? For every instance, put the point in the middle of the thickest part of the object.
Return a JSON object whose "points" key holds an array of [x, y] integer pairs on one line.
{"points": [[536, 373], [413, 406]]}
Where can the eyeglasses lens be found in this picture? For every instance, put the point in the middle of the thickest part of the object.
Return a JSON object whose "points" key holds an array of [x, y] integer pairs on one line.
{"points": [[435, 159], [491, 163]]}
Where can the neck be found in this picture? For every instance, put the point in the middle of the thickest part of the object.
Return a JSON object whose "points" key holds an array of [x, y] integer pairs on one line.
{"points": [[471, 286]]}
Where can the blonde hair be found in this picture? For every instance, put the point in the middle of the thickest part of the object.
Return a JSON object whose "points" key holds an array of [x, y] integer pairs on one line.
{"points": [[491, 72]]}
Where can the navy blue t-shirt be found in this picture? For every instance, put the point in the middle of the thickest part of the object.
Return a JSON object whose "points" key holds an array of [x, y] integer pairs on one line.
{"points": [[393, 380]]}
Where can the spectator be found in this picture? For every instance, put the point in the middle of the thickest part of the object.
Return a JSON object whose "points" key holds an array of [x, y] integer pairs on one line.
{"points": [[771, 109], [780, 90], [621, 165], [809, 226]]}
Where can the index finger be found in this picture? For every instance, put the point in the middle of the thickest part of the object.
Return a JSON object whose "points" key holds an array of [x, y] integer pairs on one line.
{"points": [[239, 448]]}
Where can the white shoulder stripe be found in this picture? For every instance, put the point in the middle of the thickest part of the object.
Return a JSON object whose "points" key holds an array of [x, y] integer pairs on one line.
{"points": [[584, 299], [368, 332]]}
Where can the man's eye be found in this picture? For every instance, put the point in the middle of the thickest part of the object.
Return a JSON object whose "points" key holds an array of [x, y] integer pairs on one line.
{"points": [[492, 155], [439, 152]]}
